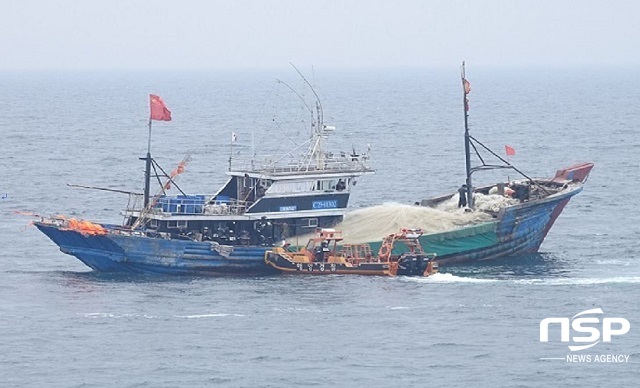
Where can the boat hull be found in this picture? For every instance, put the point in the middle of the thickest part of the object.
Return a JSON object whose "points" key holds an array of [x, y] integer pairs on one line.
{"points": [[280, 263], [518, 229], [138, 254]]}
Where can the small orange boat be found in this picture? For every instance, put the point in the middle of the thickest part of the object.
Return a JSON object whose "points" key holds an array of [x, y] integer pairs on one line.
{"points": [[324, 255]]}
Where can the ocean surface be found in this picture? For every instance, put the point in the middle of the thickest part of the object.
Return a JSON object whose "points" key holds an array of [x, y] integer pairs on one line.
{"points": [[61, 325]]}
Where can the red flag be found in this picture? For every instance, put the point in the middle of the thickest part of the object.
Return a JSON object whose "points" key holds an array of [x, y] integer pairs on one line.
{"points": [[176, 171], [509, 150], [159, 110], [467, 86]]}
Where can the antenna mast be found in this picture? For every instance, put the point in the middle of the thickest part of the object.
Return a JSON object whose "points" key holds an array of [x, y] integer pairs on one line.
{"points": [[147, 170], [317, 150], [466, 88]]}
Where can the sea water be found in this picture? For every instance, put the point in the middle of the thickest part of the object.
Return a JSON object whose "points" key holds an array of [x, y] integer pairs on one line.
{"points": [[477, 325]]}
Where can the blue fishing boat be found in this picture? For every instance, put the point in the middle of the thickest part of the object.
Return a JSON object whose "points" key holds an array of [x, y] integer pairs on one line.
{"points": [[260, 205], [523, 213], [514, 229]]}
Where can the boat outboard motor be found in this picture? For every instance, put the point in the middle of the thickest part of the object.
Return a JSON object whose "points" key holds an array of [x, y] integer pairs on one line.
{"points": [[421, 264], [412, 265], [406, 265], [402, 266]]}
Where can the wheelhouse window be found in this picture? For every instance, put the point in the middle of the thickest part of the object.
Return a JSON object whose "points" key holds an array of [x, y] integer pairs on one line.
{"points": [[331, 184], [283, 187], [176, 224], [310, 223]]}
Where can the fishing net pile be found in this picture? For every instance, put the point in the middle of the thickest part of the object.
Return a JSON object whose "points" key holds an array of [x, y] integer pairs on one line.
{"points": [[375, 222], [483, 203]]}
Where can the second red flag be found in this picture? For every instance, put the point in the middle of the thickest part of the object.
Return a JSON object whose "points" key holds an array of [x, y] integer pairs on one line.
{"points": [[159, 110]]}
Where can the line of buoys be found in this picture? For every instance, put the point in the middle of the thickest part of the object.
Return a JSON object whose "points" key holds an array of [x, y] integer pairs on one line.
{"points": [[86, 227]]}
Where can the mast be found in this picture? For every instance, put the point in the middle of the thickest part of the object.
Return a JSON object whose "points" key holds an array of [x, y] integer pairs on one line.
{"points": [[319, 147], [467, 141], [317, 151], [157, 111], [147, 171], [230, 155]]}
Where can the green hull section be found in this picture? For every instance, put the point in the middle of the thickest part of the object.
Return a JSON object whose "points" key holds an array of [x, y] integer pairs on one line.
{"points": [[453, 242]]}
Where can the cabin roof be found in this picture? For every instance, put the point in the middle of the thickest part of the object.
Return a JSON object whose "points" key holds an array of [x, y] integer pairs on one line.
{"points": [[293, 175]]}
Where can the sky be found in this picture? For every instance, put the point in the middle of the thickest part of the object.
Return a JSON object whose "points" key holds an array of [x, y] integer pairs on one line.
{"points": [[200, 34]]}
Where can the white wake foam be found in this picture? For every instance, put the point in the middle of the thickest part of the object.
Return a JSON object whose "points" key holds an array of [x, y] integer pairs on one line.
{"points": [[449, 278], [101, 315], [446, 278]]}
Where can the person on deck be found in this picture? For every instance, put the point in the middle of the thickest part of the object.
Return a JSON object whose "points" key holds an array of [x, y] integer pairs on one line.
{"points": [[462, 191]]}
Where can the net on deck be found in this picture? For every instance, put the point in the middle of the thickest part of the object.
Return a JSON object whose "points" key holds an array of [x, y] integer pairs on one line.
{"points": [[373, 223]]}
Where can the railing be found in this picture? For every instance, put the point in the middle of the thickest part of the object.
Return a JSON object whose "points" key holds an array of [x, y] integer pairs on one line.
{"points": [[134, 203], [190, 204], [227, 207], [344, 163], [185, 204]]}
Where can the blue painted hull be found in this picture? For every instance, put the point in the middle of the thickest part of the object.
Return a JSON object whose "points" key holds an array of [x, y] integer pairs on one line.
{"points": [[136, 254]]}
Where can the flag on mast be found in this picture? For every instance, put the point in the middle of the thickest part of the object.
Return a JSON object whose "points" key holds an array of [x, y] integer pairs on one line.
{"points": [[467, 86], [159, 110], [509, 150], [176, 171], [234, 137]]}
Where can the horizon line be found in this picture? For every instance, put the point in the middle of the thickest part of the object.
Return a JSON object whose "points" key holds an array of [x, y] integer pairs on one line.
{"points": [[318, 68]]}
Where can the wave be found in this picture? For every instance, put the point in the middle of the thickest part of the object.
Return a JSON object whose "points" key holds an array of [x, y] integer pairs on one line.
{"points": [[613, 262], [580, 281], [450, 278], [101, 315], [110, 315], [213, 315]]}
